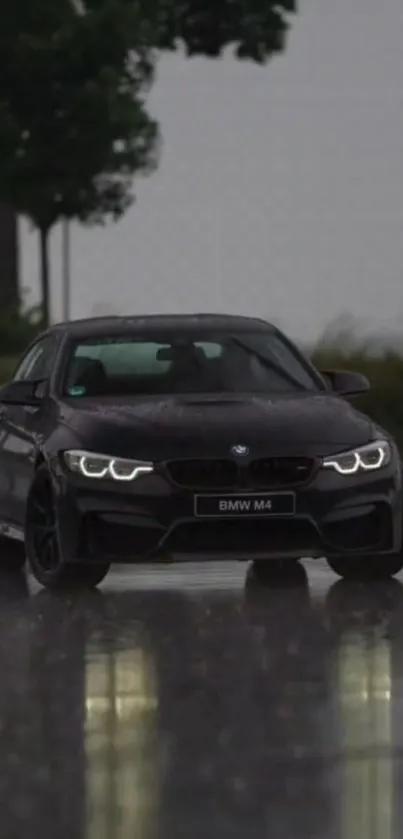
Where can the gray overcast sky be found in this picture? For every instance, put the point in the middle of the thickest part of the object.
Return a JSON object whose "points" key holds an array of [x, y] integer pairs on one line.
{"points": [[280, 190]]}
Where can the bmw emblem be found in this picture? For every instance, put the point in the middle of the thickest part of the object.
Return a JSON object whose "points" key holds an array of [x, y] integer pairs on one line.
{"points": [[240, 451]]}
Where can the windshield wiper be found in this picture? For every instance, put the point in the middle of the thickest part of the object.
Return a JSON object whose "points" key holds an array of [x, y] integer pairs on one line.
{"points": [[267, 362]]}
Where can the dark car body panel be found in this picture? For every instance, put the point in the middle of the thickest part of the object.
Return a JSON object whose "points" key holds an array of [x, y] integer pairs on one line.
{"points": [[162, 428], [154, 516]]}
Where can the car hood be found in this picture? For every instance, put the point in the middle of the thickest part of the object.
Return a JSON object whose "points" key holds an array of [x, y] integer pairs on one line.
{"points": [[193, 426]]}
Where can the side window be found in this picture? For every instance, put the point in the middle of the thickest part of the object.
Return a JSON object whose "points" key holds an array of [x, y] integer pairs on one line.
{"points": [[38, 362]]}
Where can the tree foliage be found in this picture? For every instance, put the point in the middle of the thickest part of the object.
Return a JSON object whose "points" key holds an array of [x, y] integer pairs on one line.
{"points": [[74, 74], [73, 124], [256, 28], [74, 128]]}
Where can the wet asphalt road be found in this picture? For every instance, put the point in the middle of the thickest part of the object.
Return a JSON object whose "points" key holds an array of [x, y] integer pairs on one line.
{"points": [[190, 704]]}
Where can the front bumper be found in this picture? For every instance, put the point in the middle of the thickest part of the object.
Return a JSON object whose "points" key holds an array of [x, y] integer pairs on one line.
{"points": [[151, 519]]}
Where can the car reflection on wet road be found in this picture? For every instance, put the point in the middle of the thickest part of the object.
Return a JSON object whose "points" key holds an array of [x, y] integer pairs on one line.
{"points": [[192, 703]]}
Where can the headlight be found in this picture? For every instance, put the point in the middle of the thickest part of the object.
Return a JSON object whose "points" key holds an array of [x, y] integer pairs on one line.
{"points": [[365, 459], [101, 466]]}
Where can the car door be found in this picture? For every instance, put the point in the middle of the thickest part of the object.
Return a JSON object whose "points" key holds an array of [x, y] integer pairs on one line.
{"points": [[21, 427]]}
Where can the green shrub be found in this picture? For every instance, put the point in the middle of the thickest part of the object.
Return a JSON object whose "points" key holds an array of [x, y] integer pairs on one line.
{"points": [[7, 367], [18, 329]]}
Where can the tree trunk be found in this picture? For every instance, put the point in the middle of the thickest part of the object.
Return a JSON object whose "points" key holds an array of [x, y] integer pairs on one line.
{"points": [[44, 274], [9, 260]]}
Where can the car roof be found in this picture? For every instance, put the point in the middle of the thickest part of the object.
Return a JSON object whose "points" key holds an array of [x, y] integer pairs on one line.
{"points": [[121, 325]]}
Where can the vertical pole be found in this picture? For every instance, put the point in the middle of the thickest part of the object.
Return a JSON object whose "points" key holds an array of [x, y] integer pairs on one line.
{"points": [[66, 269], [218, 250]]}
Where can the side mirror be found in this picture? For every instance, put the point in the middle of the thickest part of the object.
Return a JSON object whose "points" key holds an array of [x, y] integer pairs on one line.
{"points": [[346, 382], [22, 393]]}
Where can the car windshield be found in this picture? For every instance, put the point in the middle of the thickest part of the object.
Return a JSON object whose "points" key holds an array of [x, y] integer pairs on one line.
{"points": [[183, 364]]}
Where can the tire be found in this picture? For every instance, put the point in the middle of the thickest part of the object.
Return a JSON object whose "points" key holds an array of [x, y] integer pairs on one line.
{"points": [[371, 567], [45, 561], [270, 571], [12, 555]]}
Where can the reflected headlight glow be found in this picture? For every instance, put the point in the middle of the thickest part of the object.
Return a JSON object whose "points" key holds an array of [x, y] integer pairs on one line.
{"points": [[365, 459], [102, 466]]}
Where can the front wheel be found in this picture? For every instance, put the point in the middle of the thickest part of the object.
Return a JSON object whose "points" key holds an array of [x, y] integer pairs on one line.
{"points": [[371, 567], [42, 543]]}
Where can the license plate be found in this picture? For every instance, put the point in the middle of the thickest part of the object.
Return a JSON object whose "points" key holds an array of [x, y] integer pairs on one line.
{"points": [[245, 505]]}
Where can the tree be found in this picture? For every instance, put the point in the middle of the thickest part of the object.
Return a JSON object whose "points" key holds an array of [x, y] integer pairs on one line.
{"points": [[256, 28], [74, 129]]}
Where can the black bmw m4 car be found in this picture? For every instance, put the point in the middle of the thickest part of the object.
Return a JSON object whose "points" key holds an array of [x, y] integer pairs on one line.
{"points": [[160, 438]]}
